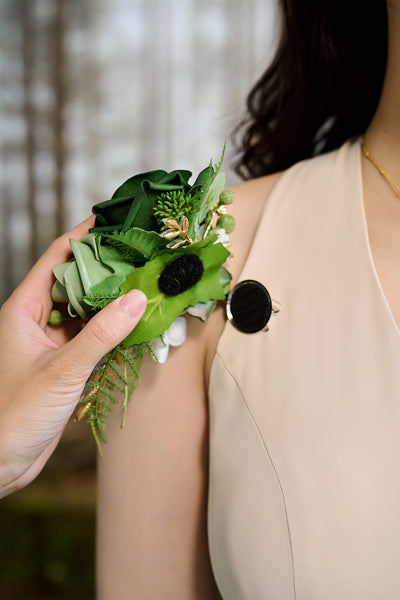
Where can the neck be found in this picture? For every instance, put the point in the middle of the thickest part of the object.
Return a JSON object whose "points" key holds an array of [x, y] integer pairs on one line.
{"points": [[383, 134]]}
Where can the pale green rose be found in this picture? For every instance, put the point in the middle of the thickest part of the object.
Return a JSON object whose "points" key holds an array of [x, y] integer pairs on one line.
{"points": [[92, 264]]}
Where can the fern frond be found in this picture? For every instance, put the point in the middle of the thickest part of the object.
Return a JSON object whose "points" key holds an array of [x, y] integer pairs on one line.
{"points": [[115, 376], [136, 246], [128, 253], [99, 302]]}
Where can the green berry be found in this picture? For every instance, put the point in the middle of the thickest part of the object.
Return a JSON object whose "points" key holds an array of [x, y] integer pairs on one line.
{"points": [[55, 317], [226, 197], [226, 222]]}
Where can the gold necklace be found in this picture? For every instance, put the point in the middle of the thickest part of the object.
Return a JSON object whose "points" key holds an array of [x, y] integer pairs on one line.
{"points": [[385, 176]]}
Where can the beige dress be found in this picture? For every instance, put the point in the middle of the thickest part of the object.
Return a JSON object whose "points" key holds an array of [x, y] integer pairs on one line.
{"points": [[305, 419]]}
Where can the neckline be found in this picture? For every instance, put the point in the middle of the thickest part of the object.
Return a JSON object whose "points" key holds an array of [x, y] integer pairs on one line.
{"points": [[366, 240]]}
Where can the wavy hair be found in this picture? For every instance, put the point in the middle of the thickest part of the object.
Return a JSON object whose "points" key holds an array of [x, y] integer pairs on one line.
{"points": [[321, 88]]}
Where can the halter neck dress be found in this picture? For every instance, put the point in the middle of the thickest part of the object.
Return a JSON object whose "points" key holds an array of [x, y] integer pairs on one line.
{"points": [[304, 498]]}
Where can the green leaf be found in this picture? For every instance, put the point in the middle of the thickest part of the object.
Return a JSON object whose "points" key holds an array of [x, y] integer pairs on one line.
{"points": [[136, 245], [207, 188], [162, 310], [225, 279], [113, 258]]}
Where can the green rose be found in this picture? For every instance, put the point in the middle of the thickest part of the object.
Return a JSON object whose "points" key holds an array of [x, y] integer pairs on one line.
{"points": [[132, 204], [137, 202], [92, 264]]}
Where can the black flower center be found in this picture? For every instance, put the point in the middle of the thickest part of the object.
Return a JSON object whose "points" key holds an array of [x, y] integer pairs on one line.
{"points": [[180, 274]]}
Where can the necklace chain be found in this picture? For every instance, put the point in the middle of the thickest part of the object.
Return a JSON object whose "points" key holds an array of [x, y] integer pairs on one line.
{"points": [[385, 176]]}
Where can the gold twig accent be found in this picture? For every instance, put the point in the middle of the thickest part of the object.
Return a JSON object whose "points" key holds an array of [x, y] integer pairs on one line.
{"points": [[86, 407], [176, 229]]}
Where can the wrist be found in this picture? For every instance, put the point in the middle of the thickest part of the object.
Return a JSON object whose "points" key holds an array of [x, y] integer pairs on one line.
{"points": [[15, 468], [15, 476], [9, 478]]}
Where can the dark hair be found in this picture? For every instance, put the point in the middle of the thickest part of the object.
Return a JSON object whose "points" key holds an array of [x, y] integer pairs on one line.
{"points": [[322, 86]]}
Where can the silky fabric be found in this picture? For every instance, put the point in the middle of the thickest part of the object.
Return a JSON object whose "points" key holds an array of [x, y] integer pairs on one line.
{"points": [[304, 499]]}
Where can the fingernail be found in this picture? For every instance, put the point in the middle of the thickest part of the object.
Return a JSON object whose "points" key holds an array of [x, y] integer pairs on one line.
{"points": [[133, 303]]}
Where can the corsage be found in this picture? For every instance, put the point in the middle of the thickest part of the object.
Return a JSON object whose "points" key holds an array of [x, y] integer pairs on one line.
{"points": [[162, 235]]}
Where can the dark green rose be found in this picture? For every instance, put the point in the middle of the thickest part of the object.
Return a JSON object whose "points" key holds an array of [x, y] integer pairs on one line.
{"points": [[136, 202], [132, 204]]}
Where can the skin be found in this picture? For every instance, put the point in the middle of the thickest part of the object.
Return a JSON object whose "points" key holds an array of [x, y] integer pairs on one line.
{"points": [[44, 369]]}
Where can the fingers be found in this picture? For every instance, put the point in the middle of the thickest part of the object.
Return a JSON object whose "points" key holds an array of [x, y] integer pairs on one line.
{"points": [[104, 331], [39, 281]]}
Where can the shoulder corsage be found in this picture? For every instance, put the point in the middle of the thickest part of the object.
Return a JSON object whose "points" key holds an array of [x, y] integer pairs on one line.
{"points": [[162, 235]]}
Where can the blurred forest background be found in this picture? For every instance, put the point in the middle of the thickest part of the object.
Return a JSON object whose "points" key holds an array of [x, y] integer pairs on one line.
{"points": [[92, 92]]}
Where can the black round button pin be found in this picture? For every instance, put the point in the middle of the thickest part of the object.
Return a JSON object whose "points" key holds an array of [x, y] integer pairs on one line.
{"points": [[249, 306]]}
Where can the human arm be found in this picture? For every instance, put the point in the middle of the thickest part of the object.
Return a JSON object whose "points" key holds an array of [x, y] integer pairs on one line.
{"points": [[44, 369], [152, 535]]}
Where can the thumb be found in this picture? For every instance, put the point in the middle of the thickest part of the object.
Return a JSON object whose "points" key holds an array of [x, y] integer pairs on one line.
{"points": [[106, 330]]}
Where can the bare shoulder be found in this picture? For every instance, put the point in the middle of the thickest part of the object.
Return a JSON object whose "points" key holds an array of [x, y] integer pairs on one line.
{"points": [[250, 198]]}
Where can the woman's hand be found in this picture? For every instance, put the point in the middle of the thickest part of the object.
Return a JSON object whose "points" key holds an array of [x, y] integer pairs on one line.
{"points": [[43, 369]]}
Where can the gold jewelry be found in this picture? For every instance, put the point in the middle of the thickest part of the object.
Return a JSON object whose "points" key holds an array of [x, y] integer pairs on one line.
{"points": [[385, 176]]}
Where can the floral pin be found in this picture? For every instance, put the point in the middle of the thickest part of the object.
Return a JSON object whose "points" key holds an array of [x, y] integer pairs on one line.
{"points": [[162, 235]]}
